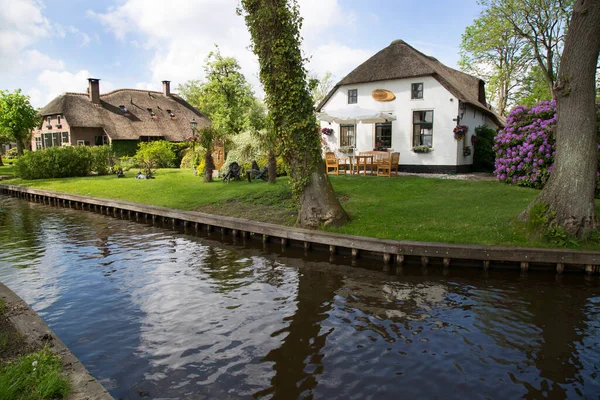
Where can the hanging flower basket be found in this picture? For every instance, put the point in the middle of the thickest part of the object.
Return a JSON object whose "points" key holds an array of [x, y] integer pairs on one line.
{"points": [[327, 131], [467, 151], [460, 131]]}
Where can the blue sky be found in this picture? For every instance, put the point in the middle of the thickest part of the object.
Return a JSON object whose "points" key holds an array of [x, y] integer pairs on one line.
{"points": [[51, 46]]}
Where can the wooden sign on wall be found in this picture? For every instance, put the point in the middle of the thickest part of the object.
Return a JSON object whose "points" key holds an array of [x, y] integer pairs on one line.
{"points": [[382, 95]]}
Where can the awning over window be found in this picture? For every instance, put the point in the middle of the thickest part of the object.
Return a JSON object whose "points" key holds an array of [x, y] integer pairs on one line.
{"points": [[352, 115]]}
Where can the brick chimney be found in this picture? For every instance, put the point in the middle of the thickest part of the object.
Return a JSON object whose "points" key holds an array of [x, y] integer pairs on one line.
{"points": [[166, 88], [94, 90]]}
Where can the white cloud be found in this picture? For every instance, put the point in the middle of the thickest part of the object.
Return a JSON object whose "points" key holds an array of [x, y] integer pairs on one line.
{"points": [[181, 33], [21, 25], [34, 60], [52, 83]]}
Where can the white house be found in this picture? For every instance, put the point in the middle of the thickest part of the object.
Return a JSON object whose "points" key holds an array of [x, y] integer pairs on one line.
{"points": [[424, 96]]}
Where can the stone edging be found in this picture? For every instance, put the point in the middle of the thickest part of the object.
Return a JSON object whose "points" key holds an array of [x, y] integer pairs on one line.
{"points": [[35, 331]]}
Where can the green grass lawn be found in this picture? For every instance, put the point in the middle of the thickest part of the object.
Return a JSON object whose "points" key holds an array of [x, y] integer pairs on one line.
{"points": [[6, 169], [403, 208]]}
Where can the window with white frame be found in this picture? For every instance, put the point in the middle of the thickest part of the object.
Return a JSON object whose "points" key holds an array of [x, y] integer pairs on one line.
{"points": [[65, 138], [383, 135], [38, 143], [423, 128], [347, 135]]}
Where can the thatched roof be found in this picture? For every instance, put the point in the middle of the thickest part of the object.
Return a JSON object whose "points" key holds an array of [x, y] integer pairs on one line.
{"points": [[80, 112], [400, 60]]}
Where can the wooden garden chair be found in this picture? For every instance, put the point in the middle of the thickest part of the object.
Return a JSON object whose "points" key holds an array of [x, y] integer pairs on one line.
{"points": [[333, 163], [386, 166]]}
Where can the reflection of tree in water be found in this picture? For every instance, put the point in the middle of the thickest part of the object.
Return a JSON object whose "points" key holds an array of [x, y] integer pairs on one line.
{"points": [[562, 320], [21, 230], [302, 346]]}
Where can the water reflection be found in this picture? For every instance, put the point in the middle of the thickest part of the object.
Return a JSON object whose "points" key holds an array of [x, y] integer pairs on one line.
{"points": [[157, 314]]}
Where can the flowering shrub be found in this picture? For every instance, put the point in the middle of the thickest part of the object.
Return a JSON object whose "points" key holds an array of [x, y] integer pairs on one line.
{"points": [[525, 148], [327, 131], [460, 131]]}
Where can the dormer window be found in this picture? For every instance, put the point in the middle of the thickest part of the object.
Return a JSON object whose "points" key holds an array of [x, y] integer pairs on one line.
{"points": [[123, 109], [171, 114], [152, 114]]}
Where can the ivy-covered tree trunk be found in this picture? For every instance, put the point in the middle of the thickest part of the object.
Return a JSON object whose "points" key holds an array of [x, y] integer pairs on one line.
{"points": [[274, 26], [569, 192], [19, 142]]}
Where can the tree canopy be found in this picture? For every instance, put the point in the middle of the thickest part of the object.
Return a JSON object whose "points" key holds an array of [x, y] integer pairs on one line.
{"points": [[515, 45], [17, 118]]}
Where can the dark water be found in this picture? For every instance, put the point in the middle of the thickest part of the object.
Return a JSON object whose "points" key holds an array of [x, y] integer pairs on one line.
{"points": [[156, 314]]}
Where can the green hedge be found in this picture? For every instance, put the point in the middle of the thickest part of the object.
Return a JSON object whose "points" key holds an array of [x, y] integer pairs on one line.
{"points": [[63, 162], [484, 156], [124, 148]]}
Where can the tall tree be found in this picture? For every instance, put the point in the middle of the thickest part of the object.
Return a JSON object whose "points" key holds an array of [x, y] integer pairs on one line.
{"points": [[542, 24], [533, 88], [225, 97], [320, 86], [490, 50], [274, 26], [17, 117], [569, 192]]}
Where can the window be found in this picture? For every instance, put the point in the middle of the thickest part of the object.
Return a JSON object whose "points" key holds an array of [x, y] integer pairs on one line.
{"points": [[81, 143], [38, 143], [423, 128], [65, 137], [352, 96], [152, 114], [49, 121], [383, 134], [56, 139], [347, 135], [47, 140], [416, 91], [171, 114], [100, 140], [58, 119]]}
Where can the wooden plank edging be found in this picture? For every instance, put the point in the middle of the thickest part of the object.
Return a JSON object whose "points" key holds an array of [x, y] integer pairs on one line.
{"points": [[385, 247]]}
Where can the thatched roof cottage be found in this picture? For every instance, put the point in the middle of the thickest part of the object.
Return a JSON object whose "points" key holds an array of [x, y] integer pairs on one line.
{"points": [[410, 103], [123, 118]]}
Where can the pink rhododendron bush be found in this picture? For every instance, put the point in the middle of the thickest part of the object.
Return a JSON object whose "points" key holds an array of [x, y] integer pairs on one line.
{"points": [[525, 148]]}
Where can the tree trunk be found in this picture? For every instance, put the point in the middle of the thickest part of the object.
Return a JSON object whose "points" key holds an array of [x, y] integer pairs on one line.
{"points": [[570, 190], [209, 166], [1, 164], [272, 167], [319, 206], [19, 147]]}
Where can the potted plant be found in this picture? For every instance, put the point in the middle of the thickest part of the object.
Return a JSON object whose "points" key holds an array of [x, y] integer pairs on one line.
{"points": [[460, 131], [379, 147], [421, 149], [327, 131], [346, 150], [467, 151]]}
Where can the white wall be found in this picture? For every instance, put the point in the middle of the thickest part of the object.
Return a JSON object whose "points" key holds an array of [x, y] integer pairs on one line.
{"points": [[472, 118], [445, 149]]}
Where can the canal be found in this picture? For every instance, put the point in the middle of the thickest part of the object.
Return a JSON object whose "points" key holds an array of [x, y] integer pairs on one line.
{"points": [[154, 313]]}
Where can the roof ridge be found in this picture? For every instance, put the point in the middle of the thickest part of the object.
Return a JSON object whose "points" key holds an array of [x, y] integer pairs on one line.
{"points": [[132, 90]]}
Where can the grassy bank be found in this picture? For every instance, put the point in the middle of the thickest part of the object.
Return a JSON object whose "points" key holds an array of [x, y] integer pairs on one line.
{"points": [[404, 208], [25, 373], [6, 169]]}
